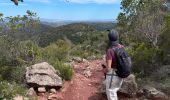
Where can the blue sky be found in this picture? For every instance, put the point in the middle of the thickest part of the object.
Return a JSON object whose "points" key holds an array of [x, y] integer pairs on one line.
{"points": [[65, 9]]}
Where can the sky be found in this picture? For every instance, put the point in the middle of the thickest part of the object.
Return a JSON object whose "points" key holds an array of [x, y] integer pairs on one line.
{"points": [[80, 10]]}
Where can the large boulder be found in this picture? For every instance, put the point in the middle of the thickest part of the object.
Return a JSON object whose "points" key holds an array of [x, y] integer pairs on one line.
{"points": [[129, 86], [153, 94], [128, 89], [42, 74]]}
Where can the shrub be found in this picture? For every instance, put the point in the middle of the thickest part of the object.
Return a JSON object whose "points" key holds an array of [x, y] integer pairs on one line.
{"points": [[143, 58], [8, 91], [167, 86], [66, 72], [56, 51]]}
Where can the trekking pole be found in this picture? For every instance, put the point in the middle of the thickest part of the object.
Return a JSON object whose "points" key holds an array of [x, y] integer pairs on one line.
{"points": [[104, 66]]}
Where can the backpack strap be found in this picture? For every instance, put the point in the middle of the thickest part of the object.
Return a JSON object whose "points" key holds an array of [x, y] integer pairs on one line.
{"points": [[115, 54]]}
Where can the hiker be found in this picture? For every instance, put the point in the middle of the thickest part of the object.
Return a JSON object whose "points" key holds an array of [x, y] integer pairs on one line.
{"points": [[112, 87]]}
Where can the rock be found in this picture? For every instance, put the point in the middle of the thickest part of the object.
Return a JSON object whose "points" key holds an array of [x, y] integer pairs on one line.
{"points": [[129, 86], [41, 89], [103, 87], [91, 57], [42, 74], [89, 84], [53, 90], [153, 94], [87, 73], [85, 61], [31, 93], [75, 66], [18, 97], [55, 97], [77, 59], [25, 98], [104, 57]]}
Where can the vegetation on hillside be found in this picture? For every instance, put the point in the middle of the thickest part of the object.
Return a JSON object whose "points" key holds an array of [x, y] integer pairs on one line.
{"points": [[144, 27], [24, 41]]}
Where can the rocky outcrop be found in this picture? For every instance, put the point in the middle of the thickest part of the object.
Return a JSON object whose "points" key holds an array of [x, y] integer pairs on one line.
{"points": [[153, 94], [42, 74], [130, 90], [87, 72], [129, 86]]}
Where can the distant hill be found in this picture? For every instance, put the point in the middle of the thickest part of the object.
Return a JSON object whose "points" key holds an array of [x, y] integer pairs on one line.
{"points": [[102, 25], [75, 32], [78, 33], [99, 25], [55, 24]]}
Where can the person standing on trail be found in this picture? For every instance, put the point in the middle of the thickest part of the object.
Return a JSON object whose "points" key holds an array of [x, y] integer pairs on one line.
{"points": [[113, 82]]}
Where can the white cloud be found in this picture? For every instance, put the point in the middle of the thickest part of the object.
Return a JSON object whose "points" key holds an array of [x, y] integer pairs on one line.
{"points": [[94, 1]]}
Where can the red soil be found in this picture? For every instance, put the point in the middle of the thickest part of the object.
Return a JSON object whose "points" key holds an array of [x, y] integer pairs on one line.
{"points": [[83, 88]]}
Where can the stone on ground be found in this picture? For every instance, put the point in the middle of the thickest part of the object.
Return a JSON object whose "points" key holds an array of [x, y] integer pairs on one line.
{"points": [[42, 74]]}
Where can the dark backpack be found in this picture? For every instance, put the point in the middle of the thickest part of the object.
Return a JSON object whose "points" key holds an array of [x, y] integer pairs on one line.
{"points": [[123, 62]]}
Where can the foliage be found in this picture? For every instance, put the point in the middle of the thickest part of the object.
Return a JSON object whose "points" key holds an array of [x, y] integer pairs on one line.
{"points": [[102, 26], [32, 52], [167, 86], [23, 43], [8, 90], [56, 51], [16, 54], [144, 29], [66, 72], [141, 20], [19, 27], [165, 41], [143, 58], [94, 45]]}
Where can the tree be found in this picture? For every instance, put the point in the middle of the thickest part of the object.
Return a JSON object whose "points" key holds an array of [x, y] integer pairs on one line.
{"points": [[144, 26], [16, 1], [19, 27], [141, 20]]}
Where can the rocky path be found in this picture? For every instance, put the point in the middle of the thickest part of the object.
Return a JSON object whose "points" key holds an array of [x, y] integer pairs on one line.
{"points": [[87, 81], [83, 85]]}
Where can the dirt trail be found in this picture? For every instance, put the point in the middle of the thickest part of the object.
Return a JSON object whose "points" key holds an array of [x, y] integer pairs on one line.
{"points": [[83, 88]]}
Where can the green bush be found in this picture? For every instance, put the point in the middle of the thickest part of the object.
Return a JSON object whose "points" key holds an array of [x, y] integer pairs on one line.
{"points": [[15, 56], [143, 58], [12, 73], [56, 51], [8, 90], [66, 72], [167, 86]]}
